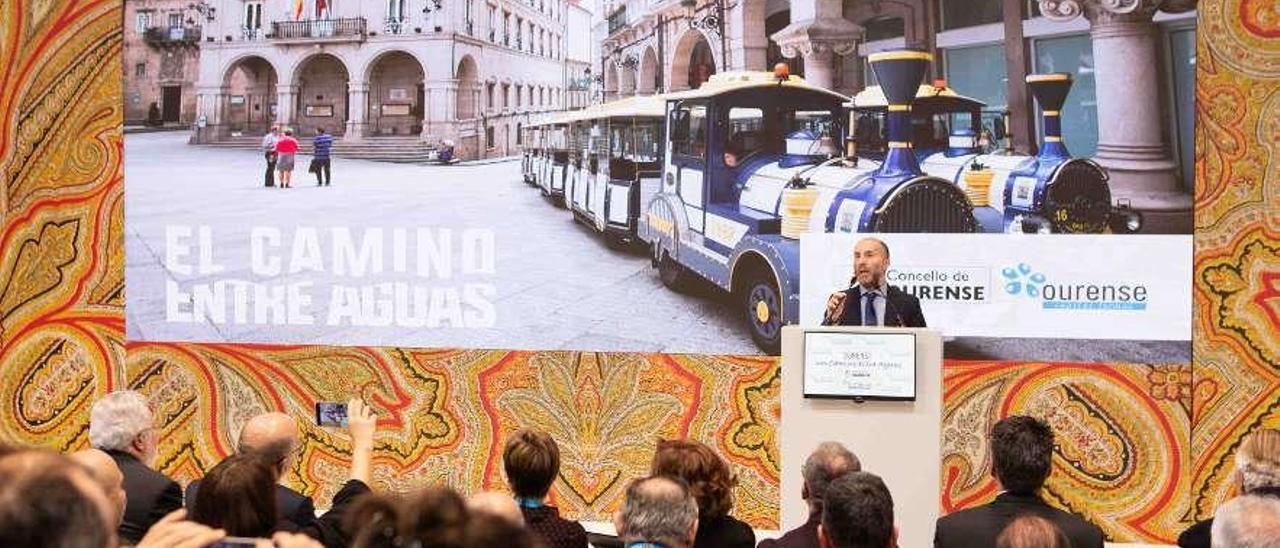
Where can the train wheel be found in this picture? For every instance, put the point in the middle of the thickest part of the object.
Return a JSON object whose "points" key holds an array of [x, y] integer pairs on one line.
{"points": [[762, 305], [673, 275]]}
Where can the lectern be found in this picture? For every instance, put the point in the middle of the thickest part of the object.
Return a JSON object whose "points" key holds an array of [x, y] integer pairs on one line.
{"points": [[895, 435]]}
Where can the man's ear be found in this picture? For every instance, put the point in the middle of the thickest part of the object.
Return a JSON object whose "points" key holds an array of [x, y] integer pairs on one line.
{"points": [[804, 491], [693, 531], [617, 523], [893, 540], [823, 541]]}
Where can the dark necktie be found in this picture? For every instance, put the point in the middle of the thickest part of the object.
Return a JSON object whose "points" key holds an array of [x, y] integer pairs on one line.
{"points": [[869, 311]]}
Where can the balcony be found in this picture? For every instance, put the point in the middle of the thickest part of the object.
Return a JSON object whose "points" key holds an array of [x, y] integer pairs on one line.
{"points": [[172, 36], [470, 28], [347, 29], [250, 34]]}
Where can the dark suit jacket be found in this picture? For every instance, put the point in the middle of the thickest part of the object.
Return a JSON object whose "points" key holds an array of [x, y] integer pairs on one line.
{"points": [[901, 309], [804, 536], [292, 505], [979, 527], [724, 532], [151, 494]]}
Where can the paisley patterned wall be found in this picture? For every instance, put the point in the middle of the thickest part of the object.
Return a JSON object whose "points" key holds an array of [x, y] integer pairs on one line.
{"points": [[1144, 448]]}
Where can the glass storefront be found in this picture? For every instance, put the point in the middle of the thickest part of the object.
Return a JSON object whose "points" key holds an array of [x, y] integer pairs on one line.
{"points": [[979, 72], [1182, 54], [1074, 55]]}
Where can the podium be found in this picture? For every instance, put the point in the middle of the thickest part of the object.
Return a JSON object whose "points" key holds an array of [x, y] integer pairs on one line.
{"points": [[900, 441]]}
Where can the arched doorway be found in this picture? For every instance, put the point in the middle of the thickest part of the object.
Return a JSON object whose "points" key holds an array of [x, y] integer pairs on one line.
{"points": [[468, 89], [322, 95], [648, 83], [692, 63], [250, 106], [610, 82], [396, 95], [628, 85]]}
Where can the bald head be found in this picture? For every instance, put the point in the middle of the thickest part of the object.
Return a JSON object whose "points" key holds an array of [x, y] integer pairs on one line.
{"points": [[273, 436], [104, 470], [496, 504], [658, 509], [46, 499]]}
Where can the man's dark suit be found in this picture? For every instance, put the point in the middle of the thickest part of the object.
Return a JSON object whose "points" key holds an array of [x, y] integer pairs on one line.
{"points": [[151, 496], [979, 527], [901, 309], [292, 505], [804, 536]]}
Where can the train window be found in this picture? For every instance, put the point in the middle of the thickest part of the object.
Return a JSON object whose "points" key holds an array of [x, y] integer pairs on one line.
{"points": [[647, 136], [689, 134], [746, 131]]}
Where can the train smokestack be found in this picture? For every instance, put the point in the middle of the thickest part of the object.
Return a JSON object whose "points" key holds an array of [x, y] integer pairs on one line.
{"points": [[900, 73], [1051, 92]]}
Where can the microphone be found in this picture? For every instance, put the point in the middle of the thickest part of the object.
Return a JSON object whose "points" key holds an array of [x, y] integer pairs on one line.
{"points": [[888, 307]]}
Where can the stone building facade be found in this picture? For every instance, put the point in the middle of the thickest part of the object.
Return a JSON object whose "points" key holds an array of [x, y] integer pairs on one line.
{"points": [[468, 71], [161, 56], [1132, 108]]}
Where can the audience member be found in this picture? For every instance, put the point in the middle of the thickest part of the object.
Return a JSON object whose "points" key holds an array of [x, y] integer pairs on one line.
{"points": [[532, 462], [435, 516], [496, 504], [1247, 521], [712, 485], [102, 468], [857, 512], [1032, 531], [658, 510], [488, 530], [1257, 473], [238, 496], [829, 461], [1022, 453], [275, 438], [121, 424], [47, 500]]}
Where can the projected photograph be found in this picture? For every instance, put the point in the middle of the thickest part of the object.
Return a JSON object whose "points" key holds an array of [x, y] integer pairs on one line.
{"points": [[452, 175]]}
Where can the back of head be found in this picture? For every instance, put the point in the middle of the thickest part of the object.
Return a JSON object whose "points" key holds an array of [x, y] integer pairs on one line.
{"points": [[1022, 453], [239, 496], [435, 516], [106, 473], [273, 437], [1032, 531], [1258, 461], [828, 462], [660, 510], [117, 419], [489, 530], [1248, 521], [532, 461], [499, 505], [706, 474], [48, 500], [858, 512]]}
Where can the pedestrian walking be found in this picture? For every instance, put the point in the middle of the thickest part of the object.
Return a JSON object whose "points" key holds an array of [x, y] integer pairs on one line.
{"points": [[287, 147], [269, 150], [321, 146]]}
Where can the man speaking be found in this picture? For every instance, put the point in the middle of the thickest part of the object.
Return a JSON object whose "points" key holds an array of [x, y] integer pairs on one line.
{"points": [[872, 301]]}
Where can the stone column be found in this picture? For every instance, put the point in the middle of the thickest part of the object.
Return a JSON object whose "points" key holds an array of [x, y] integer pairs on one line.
{"points": [[358, 98], [287, 99], [818, 33], [747, 31], [441, 110], [1131, 144], [211, 104]]}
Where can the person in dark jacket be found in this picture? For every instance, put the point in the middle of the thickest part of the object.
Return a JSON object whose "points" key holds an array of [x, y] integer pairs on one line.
{"points": [[857, 513], [531, 460], [122, 425], [1021, 455], [712, 486], [321, 146], [871, 301], [829, 461]]}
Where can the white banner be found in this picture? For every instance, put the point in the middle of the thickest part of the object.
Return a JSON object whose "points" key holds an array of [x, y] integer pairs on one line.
{"points": [[1035, 286]]}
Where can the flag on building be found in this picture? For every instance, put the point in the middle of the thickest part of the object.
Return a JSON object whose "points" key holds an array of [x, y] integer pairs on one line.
{"points": [[297, 9], [320, 8]]}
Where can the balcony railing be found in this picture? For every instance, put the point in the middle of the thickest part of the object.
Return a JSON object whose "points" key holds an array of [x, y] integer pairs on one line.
{"points": [[396, 25], [346, 29], [168, 36], [251, 33], [471, 28]]}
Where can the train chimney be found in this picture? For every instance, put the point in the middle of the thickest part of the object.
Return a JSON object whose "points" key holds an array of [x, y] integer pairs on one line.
{"points": [[1051, 92], [900, 73]]}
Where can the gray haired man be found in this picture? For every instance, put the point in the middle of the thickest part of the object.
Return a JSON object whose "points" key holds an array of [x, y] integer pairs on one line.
{"points": [[829, 461], [658, 511], [1248, 521], [121, 424]]}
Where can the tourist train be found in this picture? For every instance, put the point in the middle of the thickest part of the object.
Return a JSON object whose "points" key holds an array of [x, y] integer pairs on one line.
{"points": [[749, 161]]}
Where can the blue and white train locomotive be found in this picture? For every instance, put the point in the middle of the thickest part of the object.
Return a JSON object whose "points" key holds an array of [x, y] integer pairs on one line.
{"points": [[753, 161], [1047, 193]]}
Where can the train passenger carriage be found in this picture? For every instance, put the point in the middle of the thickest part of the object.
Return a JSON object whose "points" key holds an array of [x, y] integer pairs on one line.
{"points": [[753, 160], [554, 170], [620, 165]]}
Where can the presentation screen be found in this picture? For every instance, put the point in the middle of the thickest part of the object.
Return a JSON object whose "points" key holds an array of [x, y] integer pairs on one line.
{"points": [[860, 365]]}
